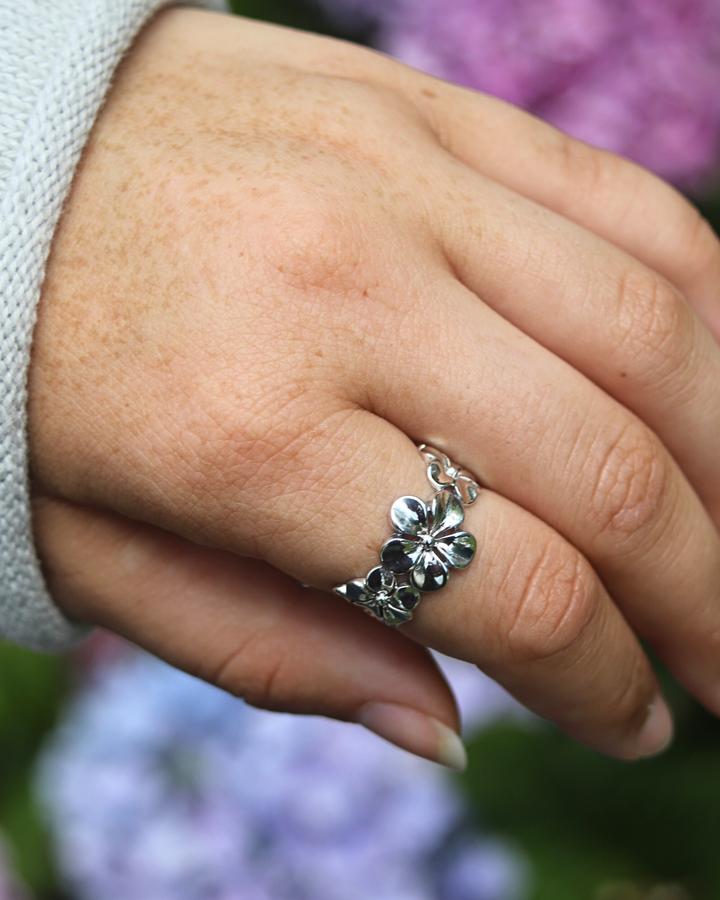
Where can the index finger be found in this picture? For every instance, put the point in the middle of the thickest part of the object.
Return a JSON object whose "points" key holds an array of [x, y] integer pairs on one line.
{"points": [[610, 196]]}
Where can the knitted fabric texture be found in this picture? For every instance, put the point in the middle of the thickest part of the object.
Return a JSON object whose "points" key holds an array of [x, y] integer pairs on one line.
{"points": [[56, 63]]}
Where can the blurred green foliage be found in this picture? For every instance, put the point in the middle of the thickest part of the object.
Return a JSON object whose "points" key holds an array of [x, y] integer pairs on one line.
{"points": [[294, 14], [597, 829], [32, 689], [710, 208]]}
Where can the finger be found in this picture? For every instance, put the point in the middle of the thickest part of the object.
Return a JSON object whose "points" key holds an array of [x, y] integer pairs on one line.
{"points": [[324, 517], [540, 434], [612, 197], [317, 507], [610, 317], [245, 627], [532, 614]]}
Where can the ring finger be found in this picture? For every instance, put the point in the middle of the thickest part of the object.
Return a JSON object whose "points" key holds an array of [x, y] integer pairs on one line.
{"points": [[317, 507]]}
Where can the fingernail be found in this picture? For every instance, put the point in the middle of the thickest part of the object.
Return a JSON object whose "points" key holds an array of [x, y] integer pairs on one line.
{"points": [[415, 732], [657, 732]]}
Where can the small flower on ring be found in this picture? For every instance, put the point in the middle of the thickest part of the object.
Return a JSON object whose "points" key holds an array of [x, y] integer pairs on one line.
{"points": [[381, 595], [427, 543]]}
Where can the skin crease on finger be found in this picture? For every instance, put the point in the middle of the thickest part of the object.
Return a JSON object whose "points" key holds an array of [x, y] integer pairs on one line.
{"points": [[198, 379], [245, 627]]}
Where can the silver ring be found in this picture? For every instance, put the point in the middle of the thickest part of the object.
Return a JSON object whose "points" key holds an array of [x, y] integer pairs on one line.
{"points": [[426, 545]]}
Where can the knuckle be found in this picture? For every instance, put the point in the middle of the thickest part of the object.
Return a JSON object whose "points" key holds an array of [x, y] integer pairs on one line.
{"points": [[557, 605], [632, 485], [315, 247], [326, 263], [655, 325], [387, 111]]}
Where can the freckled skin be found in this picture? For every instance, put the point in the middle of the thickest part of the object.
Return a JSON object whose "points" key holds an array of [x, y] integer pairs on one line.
{"points": [[283, 261]]}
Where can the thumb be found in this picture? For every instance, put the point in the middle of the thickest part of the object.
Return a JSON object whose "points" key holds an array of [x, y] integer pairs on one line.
{"points": [[246, 627]]}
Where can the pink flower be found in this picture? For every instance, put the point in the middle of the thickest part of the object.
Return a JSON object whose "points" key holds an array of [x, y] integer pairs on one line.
{"points": [[638, 77]]}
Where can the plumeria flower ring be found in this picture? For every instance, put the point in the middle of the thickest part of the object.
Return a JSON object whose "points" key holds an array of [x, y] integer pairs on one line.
{"points": [[381, 595], [427, 543]]}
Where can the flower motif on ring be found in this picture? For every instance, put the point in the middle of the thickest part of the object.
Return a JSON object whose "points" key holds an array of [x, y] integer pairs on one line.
{"points": [[381, 595], [427, 543]]}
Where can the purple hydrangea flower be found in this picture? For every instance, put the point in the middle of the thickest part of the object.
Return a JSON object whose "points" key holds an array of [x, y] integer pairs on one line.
{"points": [[638, 77], [162, 787], [480, 867]]}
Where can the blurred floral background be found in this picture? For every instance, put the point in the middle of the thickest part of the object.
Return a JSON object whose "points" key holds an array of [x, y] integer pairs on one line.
{"points": [[122, 778]]}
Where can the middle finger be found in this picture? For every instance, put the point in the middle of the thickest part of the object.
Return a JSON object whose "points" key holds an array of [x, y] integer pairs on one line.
{"points": [[595, 306]]}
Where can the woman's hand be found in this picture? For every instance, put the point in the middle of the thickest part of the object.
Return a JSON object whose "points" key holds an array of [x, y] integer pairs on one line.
{"points": [[285, 259]]}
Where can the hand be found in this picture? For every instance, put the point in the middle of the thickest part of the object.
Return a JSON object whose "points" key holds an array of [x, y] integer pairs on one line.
{"points": [[283, 261]]}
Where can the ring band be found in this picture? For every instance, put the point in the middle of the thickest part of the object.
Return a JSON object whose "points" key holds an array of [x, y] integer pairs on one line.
{"points": [[426, 545]]}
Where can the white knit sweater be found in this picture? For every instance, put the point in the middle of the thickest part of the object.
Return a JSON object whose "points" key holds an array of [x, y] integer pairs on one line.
{"points": [[56, 61]]}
